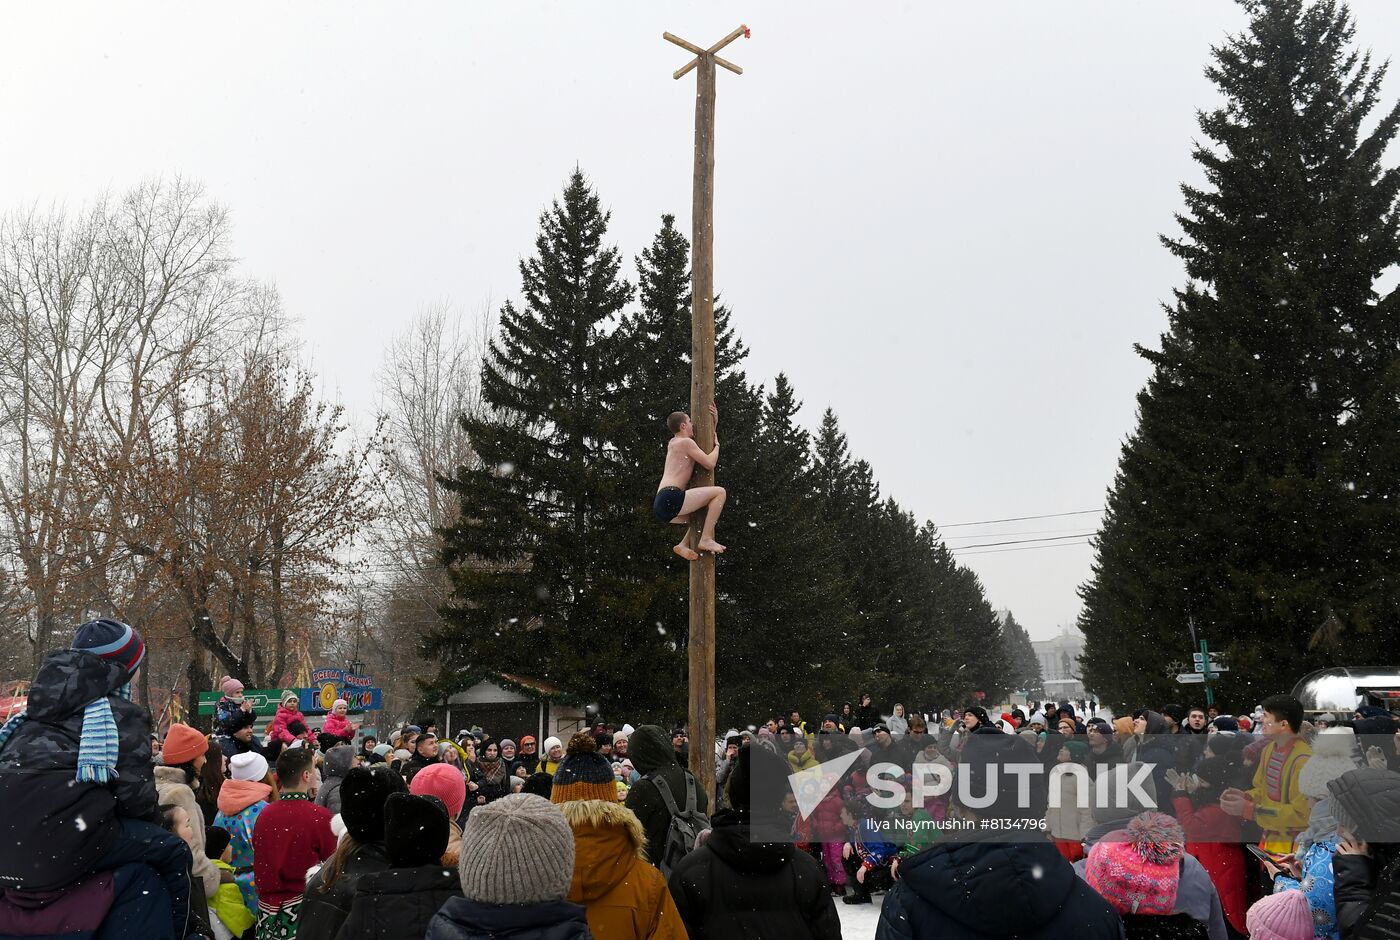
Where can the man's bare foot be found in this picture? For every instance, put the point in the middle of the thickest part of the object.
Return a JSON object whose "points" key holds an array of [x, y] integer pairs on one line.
{"points": [[685, 551], [710, 545]]}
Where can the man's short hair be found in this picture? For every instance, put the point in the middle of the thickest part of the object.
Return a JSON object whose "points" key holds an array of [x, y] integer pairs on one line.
{"points": [[1285, 708], [292, 763], [676, 419]]}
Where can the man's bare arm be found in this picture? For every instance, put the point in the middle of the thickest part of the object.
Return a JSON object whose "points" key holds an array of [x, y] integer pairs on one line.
{"points": [[705, 460]]}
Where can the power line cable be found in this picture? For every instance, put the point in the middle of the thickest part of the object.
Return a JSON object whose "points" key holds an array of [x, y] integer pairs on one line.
{"points": [[1024, 548], [988, 535], [1053, 538], [1051, 515]]}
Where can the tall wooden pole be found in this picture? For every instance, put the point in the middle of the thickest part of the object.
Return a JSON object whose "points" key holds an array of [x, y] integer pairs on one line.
{"points": [[701, 645], [702, 396]]}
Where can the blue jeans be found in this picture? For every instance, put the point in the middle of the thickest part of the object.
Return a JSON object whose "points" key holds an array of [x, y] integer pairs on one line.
{"points": [[146, 843]]}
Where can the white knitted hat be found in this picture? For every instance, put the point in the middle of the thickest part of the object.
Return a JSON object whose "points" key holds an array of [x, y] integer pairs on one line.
{"points": [[518, 849], [1332, 756], [248, 766]]}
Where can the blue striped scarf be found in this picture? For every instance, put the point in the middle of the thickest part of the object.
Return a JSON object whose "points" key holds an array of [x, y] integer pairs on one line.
{"points": [[97, 743]]}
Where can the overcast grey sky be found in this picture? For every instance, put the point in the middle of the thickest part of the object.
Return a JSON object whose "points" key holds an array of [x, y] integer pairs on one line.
{"points": [[940, 219]]}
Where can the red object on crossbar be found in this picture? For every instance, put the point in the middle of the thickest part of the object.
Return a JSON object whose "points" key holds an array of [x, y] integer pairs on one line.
{"points": [[747, 33]]}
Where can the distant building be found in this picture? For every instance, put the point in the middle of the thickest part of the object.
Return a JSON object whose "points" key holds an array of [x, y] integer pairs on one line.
{"points": [[1059, 664]]}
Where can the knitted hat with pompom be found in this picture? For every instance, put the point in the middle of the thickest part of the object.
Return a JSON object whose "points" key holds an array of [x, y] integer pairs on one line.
{"points": [[1137, 869], [583, 774]]}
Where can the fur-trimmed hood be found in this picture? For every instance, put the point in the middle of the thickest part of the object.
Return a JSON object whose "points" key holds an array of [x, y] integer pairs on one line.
{"points": [[609, 841]]}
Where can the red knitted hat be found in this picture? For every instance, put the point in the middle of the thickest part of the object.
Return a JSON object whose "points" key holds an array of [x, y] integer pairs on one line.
{"points": [[1137, 869], [443, 781]]}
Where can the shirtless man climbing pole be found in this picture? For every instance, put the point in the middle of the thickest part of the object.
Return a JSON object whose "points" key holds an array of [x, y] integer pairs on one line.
{"points": [[675, 503]]}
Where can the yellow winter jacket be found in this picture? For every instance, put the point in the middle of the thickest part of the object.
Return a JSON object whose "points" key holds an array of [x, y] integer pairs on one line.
{"points": [[227, 904]]}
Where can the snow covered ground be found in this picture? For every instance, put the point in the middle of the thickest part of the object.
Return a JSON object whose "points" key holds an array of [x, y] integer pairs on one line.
{"points": [[858, 921]]}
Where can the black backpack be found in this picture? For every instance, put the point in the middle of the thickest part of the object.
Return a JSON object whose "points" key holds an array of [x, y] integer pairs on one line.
{"points": [[685, 826]]}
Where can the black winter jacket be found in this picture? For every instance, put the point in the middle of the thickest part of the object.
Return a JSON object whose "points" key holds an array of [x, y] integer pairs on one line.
{"points": [[416, 763], [733, 887], [54, 828], [398, 903], [979, 891], [651, 752], [1367, 888], [461, 919], [323, 912]]}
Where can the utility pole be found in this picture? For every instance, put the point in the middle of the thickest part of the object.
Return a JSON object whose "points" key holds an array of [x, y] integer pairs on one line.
{"points": [[701, 644]]}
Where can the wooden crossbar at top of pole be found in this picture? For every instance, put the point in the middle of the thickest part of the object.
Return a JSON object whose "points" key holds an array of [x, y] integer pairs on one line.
{"points": [[701, 53]]}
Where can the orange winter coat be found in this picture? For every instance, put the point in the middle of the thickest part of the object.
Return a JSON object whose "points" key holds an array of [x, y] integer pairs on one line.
{"points": [[625, 896]]}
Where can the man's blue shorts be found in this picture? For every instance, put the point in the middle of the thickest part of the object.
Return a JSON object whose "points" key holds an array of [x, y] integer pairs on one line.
{"points": [[668, 502]]}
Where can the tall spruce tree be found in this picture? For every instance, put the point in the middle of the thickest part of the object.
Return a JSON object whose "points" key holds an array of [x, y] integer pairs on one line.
{"points": [[536, 592], [1257, 496], [1022, 664]]}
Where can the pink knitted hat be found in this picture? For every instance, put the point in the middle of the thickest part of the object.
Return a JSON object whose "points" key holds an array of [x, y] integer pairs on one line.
{"points": [[1282, 916], [1138, 869], [444, 782], [232, 688]]}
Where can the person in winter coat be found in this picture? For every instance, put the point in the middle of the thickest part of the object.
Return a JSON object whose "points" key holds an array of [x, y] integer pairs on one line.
{"points": [[287, 712], [736, 886], [400, 901], [1366, 803], [493, 781], [516, 870], [338, 724], [291, 835], [867, 715], [425, 754], [184, 759], [1154, 745], [242, 797], [1103, 747], [898, 723], [655, 760], [338, 762], [553, 754], [331, 890], [1195, 895], [231, 705], [236, 736], [1213, 836], [228, 915], [211, 780], [447, 784], [846, 718], [800, 757], [76, 780], [509, 758], [528, 754], [1138, 871], [1274, 802], [1070, 816], [975, 887], [626, 898], [867, 857]]}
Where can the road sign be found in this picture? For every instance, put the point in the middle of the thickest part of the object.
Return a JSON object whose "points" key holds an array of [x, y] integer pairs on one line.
{"points": [[264, 701], [1186, 678], [1214, 667]]}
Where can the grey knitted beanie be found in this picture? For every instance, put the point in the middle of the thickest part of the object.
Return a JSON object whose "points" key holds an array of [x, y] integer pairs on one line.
{"points": [[517, 850]]}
